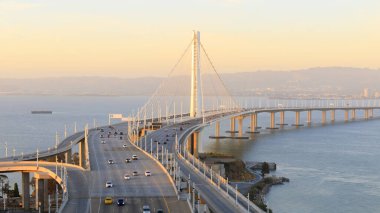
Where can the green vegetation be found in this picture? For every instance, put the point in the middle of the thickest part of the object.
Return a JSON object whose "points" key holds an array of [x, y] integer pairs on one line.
{"points": [[236, 171], [16, 193]]}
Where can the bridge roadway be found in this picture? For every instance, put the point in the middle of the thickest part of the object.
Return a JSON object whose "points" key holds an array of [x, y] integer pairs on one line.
{"points": [[156, 191], [78, 196], [87, 188], [216, 201]]}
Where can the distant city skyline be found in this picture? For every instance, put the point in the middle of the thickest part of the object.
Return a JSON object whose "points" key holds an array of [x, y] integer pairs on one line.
{"points": [[145, 38]]}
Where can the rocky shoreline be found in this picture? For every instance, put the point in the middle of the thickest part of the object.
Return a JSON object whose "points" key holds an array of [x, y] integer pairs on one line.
{"points": [[250, 177]]}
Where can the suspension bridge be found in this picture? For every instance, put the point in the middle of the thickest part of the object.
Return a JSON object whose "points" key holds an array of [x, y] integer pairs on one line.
{"points": [[164, 134]]}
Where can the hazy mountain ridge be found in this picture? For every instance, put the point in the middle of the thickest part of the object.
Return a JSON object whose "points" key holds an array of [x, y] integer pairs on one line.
{"points": [[325, 80]]}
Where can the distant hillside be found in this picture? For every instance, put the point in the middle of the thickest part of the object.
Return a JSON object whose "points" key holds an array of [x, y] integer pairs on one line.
{"points": [[333, 80]]}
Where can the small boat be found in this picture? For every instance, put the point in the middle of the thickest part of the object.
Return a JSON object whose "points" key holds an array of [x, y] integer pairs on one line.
{"points": [[42, 112]]}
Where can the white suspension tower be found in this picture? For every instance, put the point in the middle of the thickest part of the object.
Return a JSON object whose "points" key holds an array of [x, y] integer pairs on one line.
{"points": [[196, 98]]}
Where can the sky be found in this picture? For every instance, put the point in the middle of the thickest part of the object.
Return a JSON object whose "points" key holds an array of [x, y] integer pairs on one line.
{"points": [[135, 38]]}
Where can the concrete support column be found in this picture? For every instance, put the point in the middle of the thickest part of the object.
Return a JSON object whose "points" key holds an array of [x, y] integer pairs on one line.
{"points": [[232, 124], [26, 191], [309, 116], [298, 118], [68, 156], [282, 117], [253, 122], [39, 186], [82, 154], [371, 113], [366, 113], [332, 115], [346, 115], [240, 125], [323, 116], [194, 143], [217, 128], [46, 195], [272, 120], [353, 114]]}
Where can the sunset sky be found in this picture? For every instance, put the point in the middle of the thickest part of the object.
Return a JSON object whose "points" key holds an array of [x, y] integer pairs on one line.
{"points": [[134, 38]]}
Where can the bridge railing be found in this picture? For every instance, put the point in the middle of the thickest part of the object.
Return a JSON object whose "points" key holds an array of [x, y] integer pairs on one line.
{"points": [[215, 179]]}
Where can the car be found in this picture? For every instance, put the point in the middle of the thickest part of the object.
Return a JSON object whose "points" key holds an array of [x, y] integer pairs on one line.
{"points": [[108, 200], [135, 173], [101, 136], [134, 157], [167, 139], [121, 138], [147, 173], [160, 211], [103, 141], [181, 128], [124, 145], [165, 142], [109, 184], [120, 202], [146, 209], [111, 162], [127, 177], [127, 160], [121, 133], [101, 130]]}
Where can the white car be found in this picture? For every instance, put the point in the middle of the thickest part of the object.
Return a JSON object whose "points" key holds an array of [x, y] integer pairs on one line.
{"points": [[127, 177], [147, 173], [111, 162], [124, 145], [134, 157], [146, 209], [103, 141], [109, 184]]}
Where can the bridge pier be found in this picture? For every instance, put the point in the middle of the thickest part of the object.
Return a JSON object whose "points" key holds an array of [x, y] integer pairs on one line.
{"points": [[282, 118], [346, 115], [309, 116], [298, 117], [366, 116], [240, 125], [353, 114], [68, 156], [332, 116], [26, 191], [194, 144], [41, 187], [323, 116], [232, 126], [253, 123], [370, 113], [272, 121], [82, 154], [217, 128]]}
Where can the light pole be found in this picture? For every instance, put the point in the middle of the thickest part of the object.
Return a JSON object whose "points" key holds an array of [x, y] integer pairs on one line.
{"points": [[6, 149], [37, 158]]}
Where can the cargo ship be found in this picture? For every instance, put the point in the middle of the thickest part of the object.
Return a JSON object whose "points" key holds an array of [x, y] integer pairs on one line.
{"points": [[42, 112]]}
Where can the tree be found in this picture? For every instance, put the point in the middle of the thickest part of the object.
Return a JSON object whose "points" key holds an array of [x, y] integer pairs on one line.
{"points": [[3, 181], [16, 193], [265, 169]]}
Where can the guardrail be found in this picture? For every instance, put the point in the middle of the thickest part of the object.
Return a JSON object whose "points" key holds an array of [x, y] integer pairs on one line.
{"points": [[217, 181]]}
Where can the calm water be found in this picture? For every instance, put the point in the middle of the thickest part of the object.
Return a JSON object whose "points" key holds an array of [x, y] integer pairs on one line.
{"points": [[333, 168]]}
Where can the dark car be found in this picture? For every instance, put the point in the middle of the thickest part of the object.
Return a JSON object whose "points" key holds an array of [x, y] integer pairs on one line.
{"points": [[120, 202], [160, 211], [121, 133]]}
